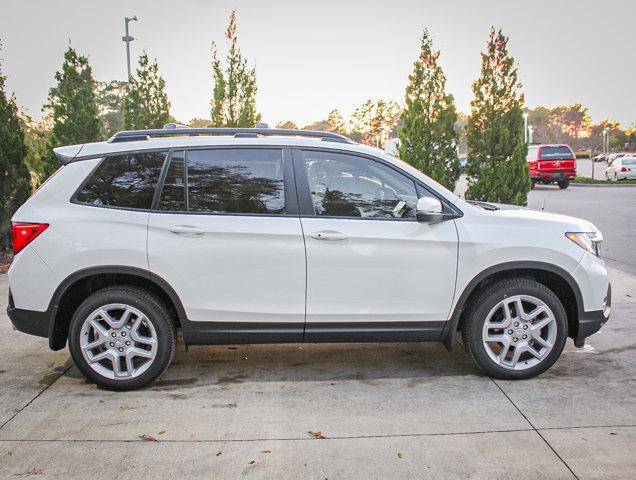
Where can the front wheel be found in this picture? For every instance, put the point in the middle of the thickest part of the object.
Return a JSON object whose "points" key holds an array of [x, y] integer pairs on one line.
{"points": [[564, 184], [515, 329], [122, 338]]}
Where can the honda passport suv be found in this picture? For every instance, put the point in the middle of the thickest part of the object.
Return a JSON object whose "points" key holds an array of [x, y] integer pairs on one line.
{"points": [[263, 236]]}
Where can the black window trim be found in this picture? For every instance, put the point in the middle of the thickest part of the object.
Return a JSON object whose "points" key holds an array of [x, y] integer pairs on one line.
{"points": [[289, 186], [304, 194], [103, 158]]}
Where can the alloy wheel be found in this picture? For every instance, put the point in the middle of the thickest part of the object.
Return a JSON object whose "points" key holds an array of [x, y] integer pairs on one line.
{"points": [[118, 341], [519, 332]]}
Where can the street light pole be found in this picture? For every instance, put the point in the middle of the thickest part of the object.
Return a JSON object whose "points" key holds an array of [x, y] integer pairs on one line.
{"points": [[127, 39], [605, 140], [530, 129], [525, 127]]}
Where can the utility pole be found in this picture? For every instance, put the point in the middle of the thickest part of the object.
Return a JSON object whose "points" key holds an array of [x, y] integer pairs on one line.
{"points": [[127, 39], [525, 127], [530, 130]]}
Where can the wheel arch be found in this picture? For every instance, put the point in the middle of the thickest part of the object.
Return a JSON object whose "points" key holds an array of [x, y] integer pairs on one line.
{"points": [[79, 285], [552, 276]]}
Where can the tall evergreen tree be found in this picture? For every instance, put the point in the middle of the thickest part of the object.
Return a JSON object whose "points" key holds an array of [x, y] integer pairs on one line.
{"points": [[428, 139], [234, 98], [146, 105], [497, 170], [73, 107], [14, 175]]}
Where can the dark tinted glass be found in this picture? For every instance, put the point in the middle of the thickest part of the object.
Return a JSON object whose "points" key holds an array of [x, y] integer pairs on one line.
{"points": [[126, 181], [349, 186], [236, 181], [173, 193], [555, 153]]}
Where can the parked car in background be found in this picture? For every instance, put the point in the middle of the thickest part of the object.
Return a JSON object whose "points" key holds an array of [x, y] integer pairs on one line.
{"points": [[622, 168], [551, 164], [463, 161], [600, 157]]}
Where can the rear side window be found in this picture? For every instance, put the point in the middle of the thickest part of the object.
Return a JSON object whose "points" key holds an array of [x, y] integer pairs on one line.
{"points": [[556, 153], [124, 181], [629, 161], [236, 181]]}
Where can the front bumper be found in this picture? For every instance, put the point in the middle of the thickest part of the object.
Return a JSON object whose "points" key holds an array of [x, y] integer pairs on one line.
{"points": [[591, 322]]}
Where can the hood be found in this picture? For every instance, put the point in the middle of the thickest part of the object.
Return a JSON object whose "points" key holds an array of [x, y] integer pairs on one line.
{"points": [[571, 224]]}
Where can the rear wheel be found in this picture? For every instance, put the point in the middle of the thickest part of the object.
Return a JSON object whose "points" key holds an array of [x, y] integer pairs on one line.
{"points": [[564, 184], [532, 184], [122, 338], [515, 329]]}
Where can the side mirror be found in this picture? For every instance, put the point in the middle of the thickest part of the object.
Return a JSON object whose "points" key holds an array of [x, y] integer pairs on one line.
{"points": [[429, 210]]}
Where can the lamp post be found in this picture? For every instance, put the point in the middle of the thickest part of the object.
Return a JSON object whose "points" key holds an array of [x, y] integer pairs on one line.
{"points": [[530, 129], [127, 39], [525, 127], [606, 140]]}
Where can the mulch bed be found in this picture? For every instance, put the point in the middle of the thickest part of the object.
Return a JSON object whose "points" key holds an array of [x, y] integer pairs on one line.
{"points": [[5, 261]]}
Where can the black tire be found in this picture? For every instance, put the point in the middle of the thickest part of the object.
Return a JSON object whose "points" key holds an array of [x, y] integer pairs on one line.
{"points": [[532, 184], [156, 312], [564, 184], [486, 300]]}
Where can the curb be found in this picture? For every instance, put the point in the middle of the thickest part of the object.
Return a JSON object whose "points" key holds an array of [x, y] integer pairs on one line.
{"points": [[611, 185]]}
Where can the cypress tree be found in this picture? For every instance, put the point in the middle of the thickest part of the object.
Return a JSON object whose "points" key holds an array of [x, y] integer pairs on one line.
{"points": [[428, 139], [234, 96], [14, 175], [73, 107], [146, 104], [497, 170]]}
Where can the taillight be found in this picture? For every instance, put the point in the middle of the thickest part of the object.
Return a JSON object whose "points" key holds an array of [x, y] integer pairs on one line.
{"points": [[24, 233], [624, 169]]}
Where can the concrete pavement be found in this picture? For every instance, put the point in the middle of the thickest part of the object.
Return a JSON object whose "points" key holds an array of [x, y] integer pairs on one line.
{"points": [[387, 411]]}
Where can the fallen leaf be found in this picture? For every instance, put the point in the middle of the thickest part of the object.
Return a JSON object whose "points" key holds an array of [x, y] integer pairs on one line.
{"points": [[399, 455], [613, 433], [252, 462], [266, 451], [29, 472], [219, 454], [317, 435], [148, 438], [161, 432], [126, 407]]}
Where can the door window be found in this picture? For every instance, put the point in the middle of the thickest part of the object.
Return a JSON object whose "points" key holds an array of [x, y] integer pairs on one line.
{"points": [[124, 181], [240, 180], [343, 185]]}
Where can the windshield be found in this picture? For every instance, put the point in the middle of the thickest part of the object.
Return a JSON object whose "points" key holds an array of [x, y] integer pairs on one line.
{"points": [[556, 153]]}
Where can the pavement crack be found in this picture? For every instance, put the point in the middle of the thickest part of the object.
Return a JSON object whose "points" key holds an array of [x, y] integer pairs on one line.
{"points": [[535, 429], [46, 387]]}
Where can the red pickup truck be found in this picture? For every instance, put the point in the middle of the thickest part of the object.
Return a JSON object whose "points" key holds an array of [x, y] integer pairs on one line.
{"points": [[551, 164]]}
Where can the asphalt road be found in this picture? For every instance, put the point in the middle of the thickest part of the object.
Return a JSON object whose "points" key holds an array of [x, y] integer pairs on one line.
{"points": [[611, 209]]}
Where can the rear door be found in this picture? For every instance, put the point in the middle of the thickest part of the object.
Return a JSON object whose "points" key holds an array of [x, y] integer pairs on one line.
{"points": [[226, 235], [373, 271]]}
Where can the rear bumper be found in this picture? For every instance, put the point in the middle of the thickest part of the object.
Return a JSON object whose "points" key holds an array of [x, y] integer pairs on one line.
{"points": [[553, 176], [30, 321], [591, 322]]}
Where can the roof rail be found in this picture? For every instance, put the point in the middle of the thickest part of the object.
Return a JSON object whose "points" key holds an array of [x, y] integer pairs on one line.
{"points": [[171, 130]]}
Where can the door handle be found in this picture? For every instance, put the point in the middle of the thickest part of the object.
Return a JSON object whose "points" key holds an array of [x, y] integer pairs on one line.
{"points": [[186, 230], [328, 235]]}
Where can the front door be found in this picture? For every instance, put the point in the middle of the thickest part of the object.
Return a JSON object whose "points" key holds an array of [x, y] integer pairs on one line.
{"points": [[373, 271], [226, 235]]}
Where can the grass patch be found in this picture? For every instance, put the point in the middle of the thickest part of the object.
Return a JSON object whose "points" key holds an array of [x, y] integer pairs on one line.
{"points": [[601, 182]]}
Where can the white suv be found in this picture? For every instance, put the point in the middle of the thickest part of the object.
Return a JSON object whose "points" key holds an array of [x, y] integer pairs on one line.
{"points": [[264, 236]]}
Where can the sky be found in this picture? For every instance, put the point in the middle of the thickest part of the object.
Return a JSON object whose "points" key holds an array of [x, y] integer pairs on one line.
{"points": [[311, 57]]}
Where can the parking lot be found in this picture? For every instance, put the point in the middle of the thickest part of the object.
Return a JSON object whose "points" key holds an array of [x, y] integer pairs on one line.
{"points": [[400, 410]]}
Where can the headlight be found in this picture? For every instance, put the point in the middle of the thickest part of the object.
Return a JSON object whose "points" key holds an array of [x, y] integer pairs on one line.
{"points": [[587, 241]]}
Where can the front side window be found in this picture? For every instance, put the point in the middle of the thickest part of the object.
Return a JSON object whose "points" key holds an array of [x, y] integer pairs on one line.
{"points": [[124, 181], [238, 181], [343, 185]]}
